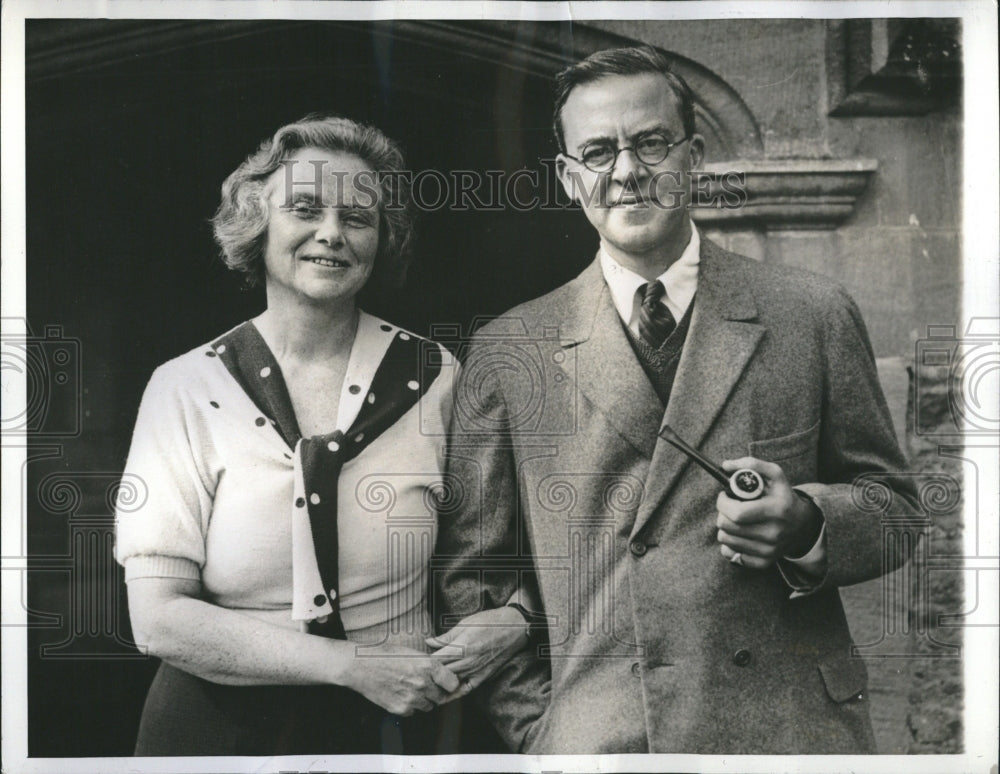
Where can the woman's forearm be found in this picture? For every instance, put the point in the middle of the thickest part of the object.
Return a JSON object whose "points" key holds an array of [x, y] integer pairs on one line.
{"points": [[170, 619], [226, 646]]}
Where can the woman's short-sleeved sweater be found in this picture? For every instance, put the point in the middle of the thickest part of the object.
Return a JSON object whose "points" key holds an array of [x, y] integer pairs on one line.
{"points": [[218, 486]]}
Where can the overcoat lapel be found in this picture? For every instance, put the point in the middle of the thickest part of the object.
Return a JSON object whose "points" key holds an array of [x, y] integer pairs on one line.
{"points": [[608, 373], [720, 343]]}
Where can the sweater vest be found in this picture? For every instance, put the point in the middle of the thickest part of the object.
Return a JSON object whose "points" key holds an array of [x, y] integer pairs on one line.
{"points": [[660, 364]]}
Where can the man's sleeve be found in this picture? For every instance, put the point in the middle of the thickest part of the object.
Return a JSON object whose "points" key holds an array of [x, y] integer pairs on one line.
{"points": [[482, 555], [864, 493]]}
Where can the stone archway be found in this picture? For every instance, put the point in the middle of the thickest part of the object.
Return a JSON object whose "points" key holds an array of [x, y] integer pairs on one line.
{"points": [[540, 50]]}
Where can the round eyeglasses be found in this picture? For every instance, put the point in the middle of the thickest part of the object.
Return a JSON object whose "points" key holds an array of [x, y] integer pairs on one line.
{"points": [[650, 148]]}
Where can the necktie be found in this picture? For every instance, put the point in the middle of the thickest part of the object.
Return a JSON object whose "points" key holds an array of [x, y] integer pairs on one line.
{"points": [[655, 320]]}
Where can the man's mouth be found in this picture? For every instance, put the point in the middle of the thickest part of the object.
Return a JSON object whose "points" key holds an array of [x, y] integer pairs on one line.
{"points": [[630, 200]]}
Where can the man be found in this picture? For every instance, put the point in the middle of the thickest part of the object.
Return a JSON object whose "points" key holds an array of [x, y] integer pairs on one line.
{"points": [[678, 619]]}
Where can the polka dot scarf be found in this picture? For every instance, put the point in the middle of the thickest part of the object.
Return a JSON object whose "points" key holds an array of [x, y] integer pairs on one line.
{"points": [[401, 379]]}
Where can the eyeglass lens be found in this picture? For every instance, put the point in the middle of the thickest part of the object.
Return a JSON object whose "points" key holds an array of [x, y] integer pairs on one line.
{"points": [[650, 149]]}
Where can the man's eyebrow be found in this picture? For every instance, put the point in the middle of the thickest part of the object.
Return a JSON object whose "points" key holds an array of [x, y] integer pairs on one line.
{"points": [[663, 129], [591, 140]]}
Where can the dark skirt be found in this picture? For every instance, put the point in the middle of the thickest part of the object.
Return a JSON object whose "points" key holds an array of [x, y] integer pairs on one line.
{"points": [[185, 715]]}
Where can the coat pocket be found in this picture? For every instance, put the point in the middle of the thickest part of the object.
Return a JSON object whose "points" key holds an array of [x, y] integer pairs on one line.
{"points": [[786, 447], [845, 678]]}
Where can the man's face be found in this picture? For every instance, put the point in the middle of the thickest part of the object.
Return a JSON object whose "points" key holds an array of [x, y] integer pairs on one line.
{"points": [[638, 208]]}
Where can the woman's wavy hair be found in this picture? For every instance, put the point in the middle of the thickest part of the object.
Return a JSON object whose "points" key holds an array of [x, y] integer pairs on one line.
{"points": [[240, 223]]}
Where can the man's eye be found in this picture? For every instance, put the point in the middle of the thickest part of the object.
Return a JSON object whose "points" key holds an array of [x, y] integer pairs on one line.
{"points": [[596, 154], [652, 144]]}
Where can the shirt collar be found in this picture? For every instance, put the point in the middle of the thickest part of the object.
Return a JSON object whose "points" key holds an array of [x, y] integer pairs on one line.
{"points": [[680, 281]]}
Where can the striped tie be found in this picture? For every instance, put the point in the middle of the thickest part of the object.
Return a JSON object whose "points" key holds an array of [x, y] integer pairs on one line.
{"points": [[655, 320]]}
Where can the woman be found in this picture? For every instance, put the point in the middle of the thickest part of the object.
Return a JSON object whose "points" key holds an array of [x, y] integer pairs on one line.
{"points": [[279, 563]]}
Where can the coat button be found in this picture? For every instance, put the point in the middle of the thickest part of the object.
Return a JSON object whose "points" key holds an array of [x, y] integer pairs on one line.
{"points": [[638, 548], [741, 657], [636, 668]]}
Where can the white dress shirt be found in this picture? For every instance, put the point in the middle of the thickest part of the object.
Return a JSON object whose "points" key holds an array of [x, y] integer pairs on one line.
{"points": [[680, 281]]}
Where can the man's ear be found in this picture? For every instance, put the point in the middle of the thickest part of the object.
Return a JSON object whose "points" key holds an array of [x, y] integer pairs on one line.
{"points": [[567, 180], [696, 150]]}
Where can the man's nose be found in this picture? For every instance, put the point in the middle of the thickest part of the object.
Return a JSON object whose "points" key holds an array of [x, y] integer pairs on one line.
{"points": [[328, 229], [627, 166]]}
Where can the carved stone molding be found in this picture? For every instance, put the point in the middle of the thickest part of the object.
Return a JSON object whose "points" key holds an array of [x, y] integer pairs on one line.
{"points": [[789, 194]]}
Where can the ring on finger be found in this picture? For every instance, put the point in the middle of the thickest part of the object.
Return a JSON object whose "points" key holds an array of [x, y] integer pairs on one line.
{"points": [[737, 558]]}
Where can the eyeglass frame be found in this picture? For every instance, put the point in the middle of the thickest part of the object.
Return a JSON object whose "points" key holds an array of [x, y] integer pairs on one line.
{"points": [[618, 151]]}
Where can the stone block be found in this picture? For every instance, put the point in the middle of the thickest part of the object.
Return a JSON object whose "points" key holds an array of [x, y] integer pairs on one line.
{"points": [[754, 56], [872, 264], [920, 165], [894, 376], [934, 731], [937, 278]]}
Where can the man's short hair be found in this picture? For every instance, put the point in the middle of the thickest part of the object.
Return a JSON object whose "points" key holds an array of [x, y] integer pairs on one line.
{"points": [[634, 60]]}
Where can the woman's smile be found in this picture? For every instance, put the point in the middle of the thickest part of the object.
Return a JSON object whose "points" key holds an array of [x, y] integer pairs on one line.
{"points": [[329, 263]]}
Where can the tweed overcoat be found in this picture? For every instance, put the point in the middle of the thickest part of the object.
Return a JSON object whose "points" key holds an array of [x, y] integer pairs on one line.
{"points": [[656, 642]]}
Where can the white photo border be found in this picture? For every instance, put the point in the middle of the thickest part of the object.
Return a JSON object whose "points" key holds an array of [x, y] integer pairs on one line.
{"points": [[980, 241]]}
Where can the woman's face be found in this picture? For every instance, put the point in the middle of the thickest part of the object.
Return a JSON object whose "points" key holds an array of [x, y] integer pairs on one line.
{"points": [[323, 227]]}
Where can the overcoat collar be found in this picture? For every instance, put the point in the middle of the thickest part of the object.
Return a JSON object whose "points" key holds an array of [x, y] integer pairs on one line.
{"points": [[721, 340]]}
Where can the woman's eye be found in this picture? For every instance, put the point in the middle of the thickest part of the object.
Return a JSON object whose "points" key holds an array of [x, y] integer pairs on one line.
{"points": [[305, 209], [356, 219]]}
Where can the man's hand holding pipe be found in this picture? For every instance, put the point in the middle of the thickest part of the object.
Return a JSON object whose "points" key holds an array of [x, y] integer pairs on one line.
{"points": [[781, 524]]}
